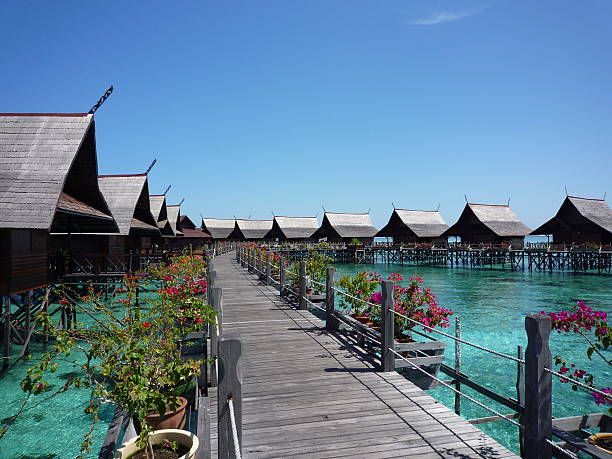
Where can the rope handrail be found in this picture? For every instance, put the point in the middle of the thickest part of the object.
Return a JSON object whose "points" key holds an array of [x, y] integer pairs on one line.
{"points": [[230, 402], [563, 450], [468, 343], [343, 292], [578, 383], [315, 305], [357, 331], [491, 410], [310, 279]]}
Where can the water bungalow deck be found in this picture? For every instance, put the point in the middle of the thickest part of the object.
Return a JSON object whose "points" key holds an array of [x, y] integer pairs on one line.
{"points": [[306, 393]]}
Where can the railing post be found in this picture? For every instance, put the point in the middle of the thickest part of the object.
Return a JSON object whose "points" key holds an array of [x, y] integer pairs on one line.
{"points": [[215, 332], [302, 290], [251, 262], [268, 268], [237, 255], [457, 364], [230, 387], [537, 420], [520, 394], [387, 329], [282, 275], [331, 322]]}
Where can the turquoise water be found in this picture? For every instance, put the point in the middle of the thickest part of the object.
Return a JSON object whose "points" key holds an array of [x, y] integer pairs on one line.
{"points": [[56, 428], [492, 305]]}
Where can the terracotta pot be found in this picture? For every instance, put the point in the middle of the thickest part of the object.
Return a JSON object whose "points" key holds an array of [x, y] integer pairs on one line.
{"points": [[602, 441], [187, 439], [362, 319], [377, 328], [369, 323], [170, 419]]}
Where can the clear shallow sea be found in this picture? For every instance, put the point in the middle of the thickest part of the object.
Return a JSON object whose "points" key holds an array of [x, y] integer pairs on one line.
{"points": [[492, 306]]}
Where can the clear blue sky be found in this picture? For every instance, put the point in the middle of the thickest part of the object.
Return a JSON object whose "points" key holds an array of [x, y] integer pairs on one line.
{"points": [[253, 106]]}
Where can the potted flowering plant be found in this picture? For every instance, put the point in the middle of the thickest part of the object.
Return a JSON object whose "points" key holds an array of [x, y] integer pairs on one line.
{"points": [[360, 288], [131, 355]]}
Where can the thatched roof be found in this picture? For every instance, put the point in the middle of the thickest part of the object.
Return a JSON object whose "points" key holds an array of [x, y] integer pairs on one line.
{"points": [[128, 199], [48, 174], [160, 213], [293, 227], [417, 223], [346, 226], [499, 219], [590, 211], [250, 229], [174, 218], [219, 228]]}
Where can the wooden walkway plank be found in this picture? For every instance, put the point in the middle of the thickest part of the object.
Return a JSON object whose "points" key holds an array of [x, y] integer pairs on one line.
{"points": [[308, 393]]}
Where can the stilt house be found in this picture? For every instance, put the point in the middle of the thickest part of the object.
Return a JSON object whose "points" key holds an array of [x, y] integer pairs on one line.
{"points": [[489, 224], [48, 183], [342, 227], [293, 228], [580, 220], [250, 230], [160, 214], [415, 226], [193, 236], [219, 228]]}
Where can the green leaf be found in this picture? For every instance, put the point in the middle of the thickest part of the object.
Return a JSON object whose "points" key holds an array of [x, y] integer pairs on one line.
{"points": [[589, 352]]}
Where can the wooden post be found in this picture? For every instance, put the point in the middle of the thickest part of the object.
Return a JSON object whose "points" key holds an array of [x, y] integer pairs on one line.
{"points": [[283, 276], [537, 420], [268, 268], [520, 394], [249, 260], [45, 308], [302, 290], [215, 332], [230, 387], [237, 255], [28, 317], [5, 307], [331, 322], [457, 364], [387, 329]]}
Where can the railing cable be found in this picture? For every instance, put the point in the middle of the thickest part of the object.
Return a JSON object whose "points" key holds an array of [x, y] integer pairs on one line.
{"points": [[230, 402]]}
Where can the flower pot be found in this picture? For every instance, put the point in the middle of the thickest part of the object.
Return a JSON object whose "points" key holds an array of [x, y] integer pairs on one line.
{"points": [[170, 419], [602, 441], [362, 319], [184, 438]]}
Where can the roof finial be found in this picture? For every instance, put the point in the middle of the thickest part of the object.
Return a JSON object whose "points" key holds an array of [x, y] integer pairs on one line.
{"points": [[272, 212], [465, 196], [249, 217], [438, 209], [605, 192], [151, 167], [508, 201], [323, 207], [369, 210], [167, 189], [565, 191], [101, 100], [181, 201], [393, 205]]}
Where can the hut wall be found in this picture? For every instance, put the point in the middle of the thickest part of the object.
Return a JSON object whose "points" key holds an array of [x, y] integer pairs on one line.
{"points": [[117, 245], [24, 262]]}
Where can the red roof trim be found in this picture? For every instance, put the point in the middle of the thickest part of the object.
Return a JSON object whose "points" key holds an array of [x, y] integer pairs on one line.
{"points": [[419, 210], [122, 175], [488, 205], [158, 195], [44, 114], [586, 199]]}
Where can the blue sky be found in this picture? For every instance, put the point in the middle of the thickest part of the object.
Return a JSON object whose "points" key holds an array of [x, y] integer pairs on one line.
{"points": [[287, 106]]}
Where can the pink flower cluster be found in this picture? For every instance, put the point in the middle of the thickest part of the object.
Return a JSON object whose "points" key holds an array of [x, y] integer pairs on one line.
{"points": [[601, 399], [580, 319]]}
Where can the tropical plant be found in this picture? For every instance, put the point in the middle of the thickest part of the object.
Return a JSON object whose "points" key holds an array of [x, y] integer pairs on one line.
{"points": [[359, 288]]}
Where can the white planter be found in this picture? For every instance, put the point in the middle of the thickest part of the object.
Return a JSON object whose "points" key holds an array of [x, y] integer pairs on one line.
{"points": [[183, 437]]}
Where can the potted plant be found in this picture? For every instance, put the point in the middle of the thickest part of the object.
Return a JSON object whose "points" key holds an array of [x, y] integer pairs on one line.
{"points": [[360, 288], [131, 354]]}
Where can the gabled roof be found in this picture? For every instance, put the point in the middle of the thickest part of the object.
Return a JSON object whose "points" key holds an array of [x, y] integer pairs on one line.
{"points": [[160, 213], [293, 227], [250, 229], [219, 228], [595, 211], [346, 225], [174, 214], [500, 219], [423, 223], [48, 174], [128, 199]]}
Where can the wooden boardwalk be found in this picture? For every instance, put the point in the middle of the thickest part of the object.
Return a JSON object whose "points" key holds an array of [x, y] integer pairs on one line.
{"points": [[307, 394]]}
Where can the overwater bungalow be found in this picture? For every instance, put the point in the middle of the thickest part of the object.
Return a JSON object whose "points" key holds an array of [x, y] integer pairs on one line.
{"points": [[48, 184], [292, 228], [128, 198], [192, 236], [580, 220], [415, 226], [343, 227], [250, 230], [219, 228], [489, 224], [160, 213]]}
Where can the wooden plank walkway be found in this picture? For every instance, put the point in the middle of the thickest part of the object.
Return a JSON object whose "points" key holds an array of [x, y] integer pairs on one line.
{"points": [[307, 394]]}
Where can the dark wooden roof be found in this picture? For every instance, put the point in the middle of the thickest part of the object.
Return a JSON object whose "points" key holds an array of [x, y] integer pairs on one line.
{"points": [[292, 227], [346, 226], [219, 228], [48, 174], [174, 215], [499, 219], [419, 223], [128, 199], [250, 229], [590, 211]]}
